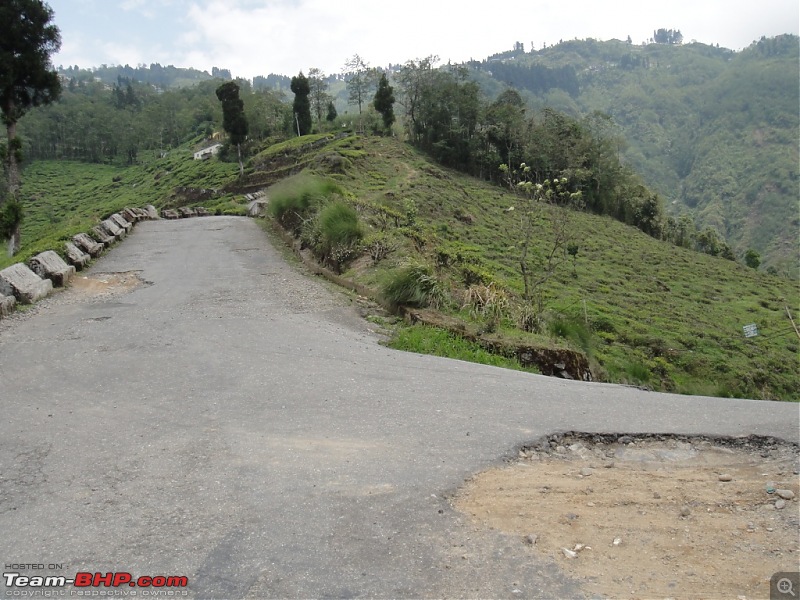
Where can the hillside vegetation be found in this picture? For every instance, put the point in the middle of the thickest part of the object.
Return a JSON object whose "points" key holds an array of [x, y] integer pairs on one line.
{"points": [[68, 197], [519, 230], [644, 311], [713, 131]]}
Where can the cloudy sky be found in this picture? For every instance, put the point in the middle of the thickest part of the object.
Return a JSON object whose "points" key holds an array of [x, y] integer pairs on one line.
{"points": [[257, 37]]}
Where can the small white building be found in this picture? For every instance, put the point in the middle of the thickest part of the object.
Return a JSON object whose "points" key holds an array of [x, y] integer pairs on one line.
{"points": [[207, 153]]}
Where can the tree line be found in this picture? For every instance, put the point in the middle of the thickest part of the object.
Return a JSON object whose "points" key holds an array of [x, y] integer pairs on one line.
{"points": [[444, 113]]}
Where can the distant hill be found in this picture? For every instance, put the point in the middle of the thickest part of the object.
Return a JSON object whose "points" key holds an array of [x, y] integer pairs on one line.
{"points": [[715, 132]]}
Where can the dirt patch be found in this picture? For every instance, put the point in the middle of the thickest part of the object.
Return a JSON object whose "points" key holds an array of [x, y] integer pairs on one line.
{"points": [[650, 516], [104, 285]]}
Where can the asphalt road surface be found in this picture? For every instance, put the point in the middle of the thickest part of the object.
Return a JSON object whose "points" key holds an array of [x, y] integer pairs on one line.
{"points": [[236, 423]]}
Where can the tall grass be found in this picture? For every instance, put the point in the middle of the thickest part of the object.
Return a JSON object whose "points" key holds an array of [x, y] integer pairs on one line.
{"points": [[293, 200], [412, 285], [339, 226]]}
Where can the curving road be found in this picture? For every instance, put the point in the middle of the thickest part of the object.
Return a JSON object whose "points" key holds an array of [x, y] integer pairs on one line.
{"points": [[236, 423]]}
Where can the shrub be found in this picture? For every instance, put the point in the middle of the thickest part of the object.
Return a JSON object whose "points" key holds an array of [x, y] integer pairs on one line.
{"points": [[486, 301], [412, 285], [378, 246], [339, 226], [292, 200]]}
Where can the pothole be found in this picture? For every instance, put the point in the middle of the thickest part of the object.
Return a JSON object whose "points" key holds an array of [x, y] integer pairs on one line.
{"points": [[650, 516], [105, 285]]}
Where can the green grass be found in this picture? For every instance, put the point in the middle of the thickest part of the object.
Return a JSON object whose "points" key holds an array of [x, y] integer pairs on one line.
{"points": [[62, 198], [432, 340], [654, 313], [645, 312]]}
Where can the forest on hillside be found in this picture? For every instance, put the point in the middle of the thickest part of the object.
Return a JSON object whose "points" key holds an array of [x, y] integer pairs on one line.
{"points": [[643, 159], [713, 131]]}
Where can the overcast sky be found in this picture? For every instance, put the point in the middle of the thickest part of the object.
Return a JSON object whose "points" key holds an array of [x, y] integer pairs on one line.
{"points": [[257, 37]]}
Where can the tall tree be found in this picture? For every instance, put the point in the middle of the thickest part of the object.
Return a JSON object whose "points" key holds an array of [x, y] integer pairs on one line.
{"points": [[359, 81], [27, 39], [319, 93], [234, 121], [384, 101], [415, 78], [301, 104], [332, 114]]}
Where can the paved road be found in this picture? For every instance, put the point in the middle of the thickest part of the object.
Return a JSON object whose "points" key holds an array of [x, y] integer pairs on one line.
{"points": [[234, 422]]}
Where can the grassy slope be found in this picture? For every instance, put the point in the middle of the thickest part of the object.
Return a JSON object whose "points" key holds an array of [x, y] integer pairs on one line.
{"points": [[62, 198], [715, 133], [660, 315]]}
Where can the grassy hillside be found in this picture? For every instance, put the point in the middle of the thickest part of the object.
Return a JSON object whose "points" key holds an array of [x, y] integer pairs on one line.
{"points": [[644, 311], [713, 131], [63, 198]]}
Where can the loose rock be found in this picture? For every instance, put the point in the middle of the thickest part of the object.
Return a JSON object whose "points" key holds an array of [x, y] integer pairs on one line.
{"points": [[726, 477], [569, 553], [531, 539], [685, 511], [586, 471], [785, 494], [779, 504]]}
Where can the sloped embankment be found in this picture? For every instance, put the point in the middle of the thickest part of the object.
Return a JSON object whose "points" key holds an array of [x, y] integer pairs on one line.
{"points": [[621, 305]]}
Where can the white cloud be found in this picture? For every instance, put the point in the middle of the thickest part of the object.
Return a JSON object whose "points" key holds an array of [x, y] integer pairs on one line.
{"points": [[256, 37]]}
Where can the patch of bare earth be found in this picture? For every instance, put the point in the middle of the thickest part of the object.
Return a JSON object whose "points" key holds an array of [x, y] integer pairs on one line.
{"points": [[650, 516], [105, 284]]}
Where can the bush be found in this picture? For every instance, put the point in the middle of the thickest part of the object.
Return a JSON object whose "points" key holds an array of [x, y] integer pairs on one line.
{"points": [[378, 246], [339, 226], [338, 234], [292, 200], [412, 285]]}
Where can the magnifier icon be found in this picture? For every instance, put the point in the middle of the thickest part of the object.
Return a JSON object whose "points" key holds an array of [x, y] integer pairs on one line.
{"points": [[785, 587]]}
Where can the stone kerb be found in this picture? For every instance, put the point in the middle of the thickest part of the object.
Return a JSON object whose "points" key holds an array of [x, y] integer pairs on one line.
{"points": [[131, 215], [111, 227], [102, 236], [22, 283], [170, 213], [49, 265], [257, 208], [76, 257], [151, 212], [122, 222], [202, 211], [187, 211], [85, 242], [7, 304]]}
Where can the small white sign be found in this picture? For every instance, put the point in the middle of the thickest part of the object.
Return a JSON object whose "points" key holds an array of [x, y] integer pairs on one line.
{"points": [[750, 330]]}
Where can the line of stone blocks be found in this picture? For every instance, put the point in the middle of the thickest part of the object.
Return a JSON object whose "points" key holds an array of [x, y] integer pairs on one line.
{"points": [[26, 284], [7, 304], [122, 222], [102, 237], [23, 284], [113, 229], [49, 265], [85, 242], [75, 256]]}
